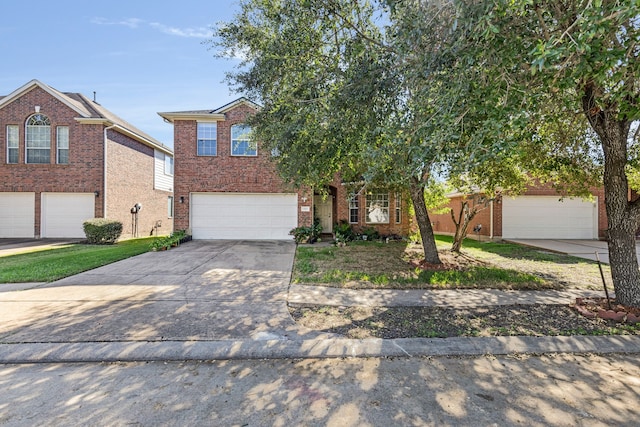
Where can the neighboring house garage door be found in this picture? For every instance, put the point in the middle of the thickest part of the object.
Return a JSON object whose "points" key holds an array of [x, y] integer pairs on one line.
{"points": [[64, 213], [243, 216], [546, 217], [17, 215]]}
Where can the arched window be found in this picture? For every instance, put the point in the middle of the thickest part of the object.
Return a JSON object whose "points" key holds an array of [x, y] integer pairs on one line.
{"points": [[241, 141], [38, 139]]}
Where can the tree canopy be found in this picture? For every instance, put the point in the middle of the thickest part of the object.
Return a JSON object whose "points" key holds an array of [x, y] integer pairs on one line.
{"points": [[402, 91]]}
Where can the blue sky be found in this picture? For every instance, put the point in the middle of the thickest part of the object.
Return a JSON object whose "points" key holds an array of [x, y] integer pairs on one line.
{"points": [[141, 57]]}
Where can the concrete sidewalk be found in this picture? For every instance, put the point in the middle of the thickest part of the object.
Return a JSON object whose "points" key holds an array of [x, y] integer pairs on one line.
{"points": [[228, 300]]}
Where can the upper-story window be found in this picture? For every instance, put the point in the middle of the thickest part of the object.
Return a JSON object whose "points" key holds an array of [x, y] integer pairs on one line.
{"points": [[38, 139], [62, 142], [168, 164], [12, 144], [207, 139], [241, 142]]}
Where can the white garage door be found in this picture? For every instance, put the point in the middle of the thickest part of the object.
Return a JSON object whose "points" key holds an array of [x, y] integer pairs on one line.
{"points": [[17, 215], [542, 217], [243, 216], [64, 213]]}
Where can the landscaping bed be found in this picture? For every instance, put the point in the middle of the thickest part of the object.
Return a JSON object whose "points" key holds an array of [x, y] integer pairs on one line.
{"points": [[397, 265], [441, 322]]}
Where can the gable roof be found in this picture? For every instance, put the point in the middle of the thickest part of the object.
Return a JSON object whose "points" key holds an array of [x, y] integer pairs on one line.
{"points": [[217, 114], [88, 112]]}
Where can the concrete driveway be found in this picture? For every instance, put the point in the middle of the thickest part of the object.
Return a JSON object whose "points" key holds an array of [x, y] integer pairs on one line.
{"points": [[202, 290], [579, 248]]}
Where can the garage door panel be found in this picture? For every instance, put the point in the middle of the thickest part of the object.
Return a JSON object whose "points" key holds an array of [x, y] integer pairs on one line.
{"points": [[540, 217], [64, 213], [17, 211], [243, 216]]}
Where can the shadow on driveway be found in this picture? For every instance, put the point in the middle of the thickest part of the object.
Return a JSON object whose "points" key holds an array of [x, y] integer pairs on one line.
{"points": [[202, 290]]}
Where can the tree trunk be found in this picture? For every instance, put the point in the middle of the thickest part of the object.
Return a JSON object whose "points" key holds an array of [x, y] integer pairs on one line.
{"points": [[416, 189], [623, 216]]}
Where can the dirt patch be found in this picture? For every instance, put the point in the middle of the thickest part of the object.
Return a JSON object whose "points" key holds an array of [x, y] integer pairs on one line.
{"points": [[431, 322]]}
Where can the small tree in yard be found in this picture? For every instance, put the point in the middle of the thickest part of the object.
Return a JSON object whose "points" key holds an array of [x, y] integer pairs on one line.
{"points": [[470, 206]]}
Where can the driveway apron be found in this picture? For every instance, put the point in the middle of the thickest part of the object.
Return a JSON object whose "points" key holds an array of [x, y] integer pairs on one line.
{"points": [[202, 290]]}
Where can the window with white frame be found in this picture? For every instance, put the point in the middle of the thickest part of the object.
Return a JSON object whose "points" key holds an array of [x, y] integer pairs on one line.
{"points": [[168, 164], [241, 142], [170, 207], [38, 139], [378, 208], [12, 143], [62, 143], [354, 209], [398, 208], [207, 139]]}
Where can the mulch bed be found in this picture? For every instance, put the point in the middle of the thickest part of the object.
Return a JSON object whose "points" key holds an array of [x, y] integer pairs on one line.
{"points": [[441, 322]]}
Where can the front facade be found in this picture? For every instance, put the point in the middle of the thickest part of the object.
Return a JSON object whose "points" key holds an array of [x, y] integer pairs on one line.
{"points": [[65, 159], [539, 213], [227, 187]]}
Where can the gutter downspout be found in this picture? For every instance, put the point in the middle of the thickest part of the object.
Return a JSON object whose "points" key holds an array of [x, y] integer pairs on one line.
{"points": [[104, 171]]}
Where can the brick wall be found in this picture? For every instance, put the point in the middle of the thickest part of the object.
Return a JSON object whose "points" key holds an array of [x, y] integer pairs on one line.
{"points": [[443, 224], [83, 174], [130, 177], [342, 196], [130, 173], [223, 173]]}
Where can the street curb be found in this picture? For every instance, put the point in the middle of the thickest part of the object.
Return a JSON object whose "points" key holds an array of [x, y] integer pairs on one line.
{"points": [[142, 351]]}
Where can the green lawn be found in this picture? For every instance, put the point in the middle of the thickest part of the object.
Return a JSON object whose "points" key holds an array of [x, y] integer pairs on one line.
{"points": [[53, 264], [482, 265]]}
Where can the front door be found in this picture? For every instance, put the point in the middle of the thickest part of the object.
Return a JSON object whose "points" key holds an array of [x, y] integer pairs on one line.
{"points": [[324, 212]]}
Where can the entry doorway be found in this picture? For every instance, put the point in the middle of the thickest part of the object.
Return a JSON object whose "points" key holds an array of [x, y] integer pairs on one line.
{"points": [[324, 212]]}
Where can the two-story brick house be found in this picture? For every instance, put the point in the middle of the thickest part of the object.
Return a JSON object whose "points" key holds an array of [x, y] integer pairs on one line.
{"points": [[64, 159], [227, 187]]}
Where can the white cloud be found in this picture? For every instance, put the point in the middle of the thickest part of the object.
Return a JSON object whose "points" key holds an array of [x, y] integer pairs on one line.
{"points": [[182, 32], [135, 23], [129, 22]]}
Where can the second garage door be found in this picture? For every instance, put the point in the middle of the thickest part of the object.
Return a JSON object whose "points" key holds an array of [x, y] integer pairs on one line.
{"points": [[541, 217], [64, 213], [243, 216]]}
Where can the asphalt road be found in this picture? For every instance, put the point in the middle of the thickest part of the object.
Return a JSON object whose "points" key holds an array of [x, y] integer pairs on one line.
{"points": [[558, 390]]}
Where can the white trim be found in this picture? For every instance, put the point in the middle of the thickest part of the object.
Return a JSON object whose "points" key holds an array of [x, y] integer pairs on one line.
{"points": [[35, 83], [17, 148], [200, 117], [368, 209], [58, 145], [248, 140]]}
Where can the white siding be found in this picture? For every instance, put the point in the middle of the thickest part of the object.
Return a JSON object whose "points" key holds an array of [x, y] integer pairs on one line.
{"points": [[17, 215], [161, 180]]}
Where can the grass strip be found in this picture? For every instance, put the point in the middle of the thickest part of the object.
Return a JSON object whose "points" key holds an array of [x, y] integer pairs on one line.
{"points": [[53, 264]]}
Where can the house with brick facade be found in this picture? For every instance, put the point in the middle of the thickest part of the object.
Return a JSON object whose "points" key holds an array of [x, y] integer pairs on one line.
{"points": [[64, 159], [538, 213], [226, 186]]}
